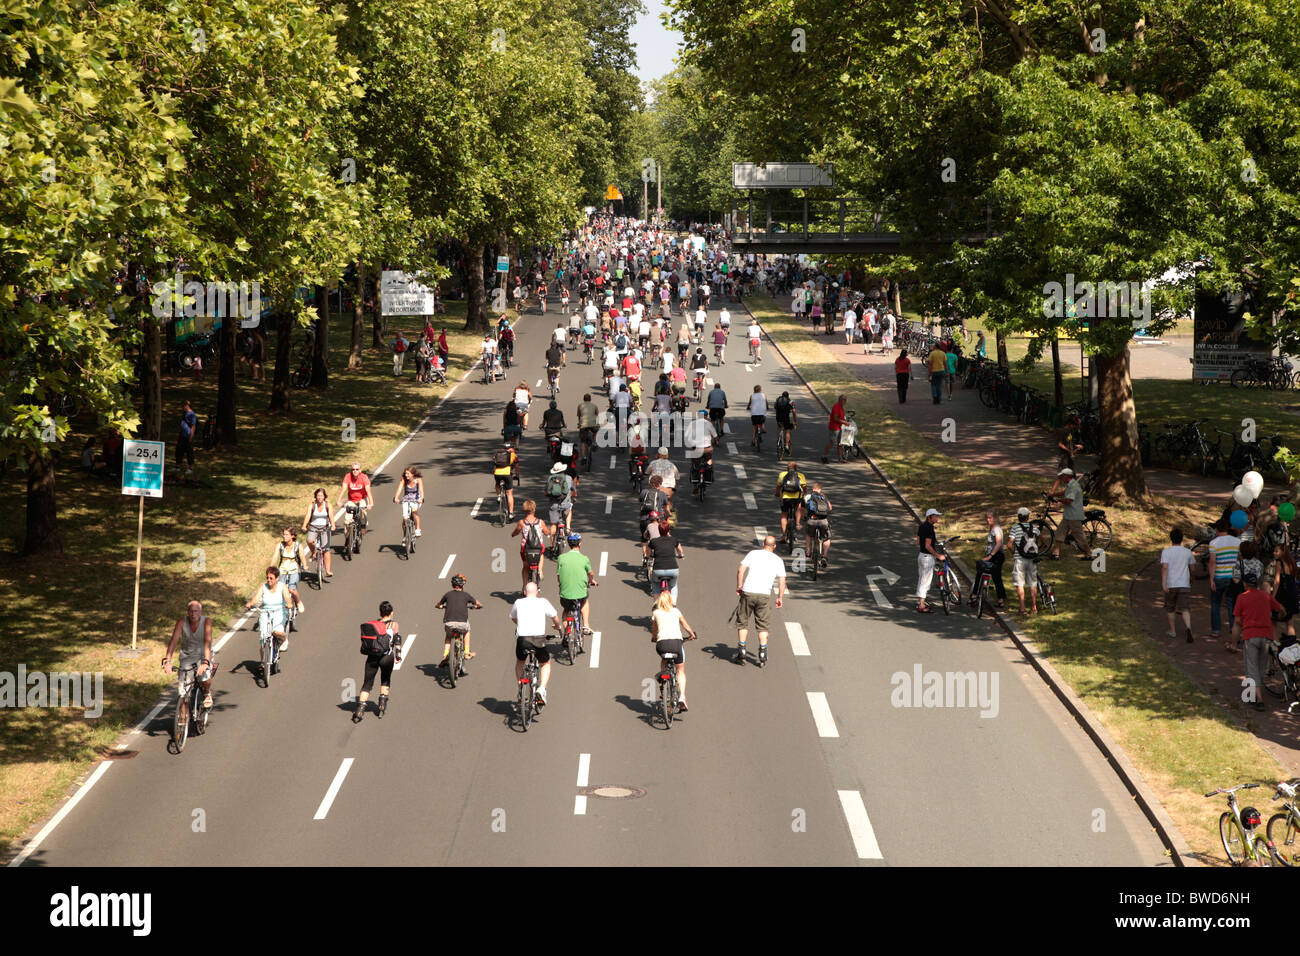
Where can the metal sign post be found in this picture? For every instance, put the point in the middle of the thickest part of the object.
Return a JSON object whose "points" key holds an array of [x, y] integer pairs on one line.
{"points": [[142, 476]]}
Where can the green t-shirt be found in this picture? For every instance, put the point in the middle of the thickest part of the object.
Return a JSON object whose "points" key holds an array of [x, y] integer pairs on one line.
{"points": [[952, 363], [572, 568]]}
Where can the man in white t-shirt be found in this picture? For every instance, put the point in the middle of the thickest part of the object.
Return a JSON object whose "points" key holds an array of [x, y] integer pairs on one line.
{"points": [[590, 313], [755, 336], [530, 614], [850, 321], [666, 470], [1176, 581], [643, 332], [754, 579], [724, 320], [699, 437]]}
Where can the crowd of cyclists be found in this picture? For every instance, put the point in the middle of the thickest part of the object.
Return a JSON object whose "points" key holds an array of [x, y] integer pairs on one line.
{"points": [[650, 308]]}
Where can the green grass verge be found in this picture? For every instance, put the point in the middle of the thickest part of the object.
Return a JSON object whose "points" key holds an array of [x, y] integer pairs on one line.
{"points": [[211, 543], [1182, 741]]}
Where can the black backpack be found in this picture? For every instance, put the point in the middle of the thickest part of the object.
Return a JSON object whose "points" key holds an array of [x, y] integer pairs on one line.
{"points": [[790, 482], [818, 505], [783, 407], [375, 639], [532, 538], [501, 458]]}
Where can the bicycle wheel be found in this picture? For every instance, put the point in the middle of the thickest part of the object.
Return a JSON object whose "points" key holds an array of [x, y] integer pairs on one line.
{"points": [[453, 660], [816, 556], [954, 590], [1282, 830], [181, 722], [407, 543], [1230, 835], [1097, 532], [943, 596], [1241, 378], [666, 703], [526, 701], [1272, 680], [1046, 537], [570, 648], [989, 396], [979, 599], [348, 538], [302, 377]]}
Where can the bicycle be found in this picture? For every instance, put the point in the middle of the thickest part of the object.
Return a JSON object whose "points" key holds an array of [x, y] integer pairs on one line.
{"points": [[526, 702], [189, 705], [571, 641], [788, 535], [269, 646], [1046, 596], [456, 654], [1237, 830], [318, 541], [352, 534], [488, 377], [669, 695], [1280, 678], [636, 476], [980, 596], [408, 536], [700, 480], [1096, 528], [819, 535], [949, 589], [503, 511], [782, 443], [1283, 827]]}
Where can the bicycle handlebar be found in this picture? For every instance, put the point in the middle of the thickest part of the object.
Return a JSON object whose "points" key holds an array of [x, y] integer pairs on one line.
{"points": [[1240, 786]]}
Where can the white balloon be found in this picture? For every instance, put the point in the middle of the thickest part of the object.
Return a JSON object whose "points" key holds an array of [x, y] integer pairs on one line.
{"points": [[1253, 481], [1241, 494]]}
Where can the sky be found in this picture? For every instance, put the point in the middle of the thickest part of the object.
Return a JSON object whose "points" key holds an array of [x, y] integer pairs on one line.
{"points": [[655, 45]]}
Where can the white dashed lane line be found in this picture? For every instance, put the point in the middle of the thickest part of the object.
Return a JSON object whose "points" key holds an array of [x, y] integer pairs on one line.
{"points": [[593, 656], [604, 563], [821, 711], [333, 791], [473, 513], [584, 770], [740, 471], [447, 567], [798, 643], [407, 642], [609, 504], [750, 503], [864, 837]]}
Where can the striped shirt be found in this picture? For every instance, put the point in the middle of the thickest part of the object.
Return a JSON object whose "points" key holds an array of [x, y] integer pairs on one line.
{"points": [[1224, 548]]}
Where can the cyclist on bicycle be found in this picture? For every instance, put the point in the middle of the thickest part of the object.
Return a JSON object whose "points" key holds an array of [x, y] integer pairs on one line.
{"points": [[318, 523], [724, 320], [700, 318], [287, 556], [665, 550], [699, 437], [683, 341], [273, 599], [554, 362], [666, 626], [665, 470], [488, 354], [588, 425], [654, 503], [787, 418], [818, 510], [455, 606], [588, 337], [755, 342], [573, 572], [193, 633], [553, 426], [356, 490], [530, 614], [791, 486], [716, 403], [410, 492], [699, 368], [505, 474], [561, 492], [534, 532], [506, 342], [757, 407]]}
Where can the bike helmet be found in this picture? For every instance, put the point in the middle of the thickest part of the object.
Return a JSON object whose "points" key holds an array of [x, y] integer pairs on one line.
{"points": [[575, 538], [1250, 817], [458, 581]]}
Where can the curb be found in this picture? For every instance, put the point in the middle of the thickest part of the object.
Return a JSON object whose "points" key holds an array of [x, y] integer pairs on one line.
{"points": [[1179, 851]]}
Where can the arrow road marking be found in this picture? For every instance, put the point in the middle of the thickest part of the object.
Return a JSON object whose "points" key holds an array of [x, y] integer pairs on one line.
{"points": [[889, 577]]}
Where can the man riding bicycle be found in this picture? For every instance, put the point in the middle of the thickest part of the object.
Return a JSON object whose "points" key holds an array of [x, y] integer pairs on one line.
{"points": [[787, 418], [757, 407], [699, 437], [505, 474], [573, 571], [193, 633], [817, 524], [356, 490], [716, 403], [554, 362], [455, 606], [588, 425], [791, 486]]}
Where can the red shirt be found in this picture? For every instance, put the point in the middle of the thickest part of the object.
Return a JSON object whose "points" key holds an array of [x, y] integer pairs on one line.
{"points": [[837, 417], [356, 489], [902, 365], [1252, 611], [632, 367]]}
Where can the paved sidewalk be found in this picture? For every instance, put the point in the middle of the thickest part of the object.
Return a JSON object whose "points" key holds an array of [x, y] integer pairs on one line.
{"points": [[993, 439]]}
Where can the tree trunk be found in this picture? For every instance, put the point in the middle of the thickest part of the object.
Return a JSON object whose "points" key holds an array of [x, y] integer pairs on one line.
{"points": [[476, 319], [43, 536], [1121, 461], [226, 384], [358, 317], [898, 299], [377, 326], [150, 368], [320, 367], [1058, 386], [284, 326], [1003, 362]]}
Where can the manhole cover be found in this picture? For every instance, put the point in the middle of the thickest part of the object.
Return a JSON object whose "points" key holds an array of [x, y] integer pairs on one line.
{"points": [[613, 791]]}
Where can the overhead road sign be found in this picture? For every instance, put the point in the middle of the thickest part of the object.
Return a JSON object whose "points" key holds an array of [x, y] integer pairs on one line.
{"points": [[781, 175]]}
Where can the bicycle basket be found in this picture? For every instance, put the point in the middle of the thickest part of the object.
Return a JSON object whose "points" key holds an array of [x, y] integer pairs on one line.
{"points": [[1290, 655], [1250, 817]]}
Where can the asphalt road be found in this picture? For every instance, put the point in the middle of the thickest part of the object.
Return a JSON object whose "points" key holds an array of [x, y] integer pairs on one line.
{"points": [[810, 761]]}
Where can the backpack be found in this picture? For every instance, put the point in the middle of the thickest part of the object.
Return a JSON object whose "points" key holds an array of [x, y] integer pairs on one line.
{"points": [[818, 505], [375, 638], [783, 407], [1028, 545], [556, 486], [532, 537], [399, 346], [501, 458], [790, 482], [649, 500]]}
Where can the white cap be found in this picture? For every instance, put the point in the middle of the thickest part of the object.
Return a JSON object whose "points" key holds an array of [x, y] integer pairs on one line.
{"points": [[663, 452], [1022, 513], [558, 467], [1064, 471], [934, 511]]}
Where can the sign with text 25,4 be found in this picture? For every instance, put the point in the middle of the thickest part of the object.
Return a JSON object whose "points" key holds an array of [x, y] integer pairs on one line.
{"points": [[142, 468]]}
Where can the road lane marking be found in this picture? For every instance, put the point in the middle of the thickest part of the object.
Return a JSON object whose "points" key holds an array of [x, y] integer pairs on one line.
{"points": [[604, 562], [740, 471], [726, 428], [798, 643], [593, 659], [63, 812], [539, 384], [731, 448], [889, 577], [333, 791], [446, 567], [473, 512], [750, 503], [580, 801], [821, 710], [760, 532], [406, 649], [864, 838], [609, 504], [613, 462]]}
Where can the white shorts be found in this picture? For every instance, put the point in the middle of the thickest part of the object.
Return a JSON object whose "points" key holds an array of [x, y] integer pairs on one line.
{"points": [[1024, 572]]}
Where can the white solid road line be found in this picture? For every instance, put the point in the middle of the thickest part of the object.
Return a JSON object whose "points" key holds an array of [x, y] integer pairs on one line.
{"points": [[609, 504], [63, 812], [760, 533], [406, 649], [864, 838], [740, 471], [333, 791], [604, 562], [750, 503], [821, 711], [798, 643], [237, 626], [593, 658], [580, 801], [731, 448], [446, 567]]}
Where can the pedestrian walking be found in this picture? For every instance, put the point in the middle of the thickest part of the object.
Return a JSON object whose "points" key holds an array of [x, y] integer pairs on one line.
{"points": [[1253, 627], [1176, 582], [185, 443], [903, 374]]}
